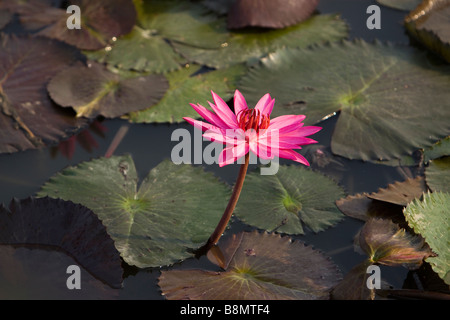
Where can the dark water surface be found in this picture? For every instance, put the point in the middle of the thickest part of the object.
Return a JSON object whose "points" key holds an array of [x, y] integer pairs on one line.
{"points": [[22, 173]]}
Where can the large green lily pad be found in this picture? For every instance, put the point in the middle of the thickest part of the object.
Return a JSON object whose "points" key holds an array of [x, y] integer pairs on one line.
{"points": [[260, 267], [378, 89], [172, 212], [251, 45], [429, 217], [285, 202], [185, 86]]}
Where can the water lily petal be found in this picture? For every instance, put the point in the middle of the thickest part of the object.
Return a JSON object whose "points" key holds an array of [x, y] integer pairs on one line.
{"points": [[230, 154], [292, 155], [208, 115], [263, 103], [287, 122], [239, 103], [223, 111], [204, 126]]}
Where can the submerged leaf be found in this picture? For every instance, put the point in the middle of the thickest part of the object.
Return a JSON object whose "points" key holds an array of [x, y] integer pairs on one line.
{"points": [[385, 243], [354, 285], [93, 90], [429, 217], [430, 24], [28, 118], [285, 201], [379, 90], [269, 13], [173, 212], [67, 226], [261, 267]]}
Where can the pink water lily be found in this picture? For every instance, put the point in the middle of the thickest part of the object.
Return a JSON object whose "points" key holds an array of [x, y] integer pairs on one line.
{"points": [[248, 129]]}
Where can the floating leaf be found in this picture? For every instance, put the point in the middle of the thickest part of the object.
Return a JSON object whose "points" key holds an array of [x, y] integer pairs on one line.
{"points": [[160, 24], [380, 95], [401, 193], [100, 21], [405, 5], [269, 13], [93, 90], [187, 85], [28, 118], [438, 174], [174, 210], [429, 217], [385, 243], [285, 201], [430, 24], [361, 207], [67, 226], [249, 46], [261, 267]]}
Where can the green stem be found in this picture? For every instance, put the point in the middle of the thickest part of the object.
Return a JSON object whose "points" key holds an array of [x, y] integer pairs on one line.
{"points": [[215, 236]]}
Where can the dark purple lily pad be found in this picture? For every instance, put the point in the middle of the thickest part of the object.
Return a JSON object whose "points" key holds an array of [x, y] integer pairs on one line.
{"points": [[100, 20], [65, 226], [401, 193], [275, 14], [93, 90], [28, 117]]}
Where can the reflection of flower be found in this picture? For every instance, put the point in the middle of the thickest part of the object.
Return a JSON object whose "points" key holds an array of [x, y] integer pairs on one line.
{"points": [[252, 130], [247, 130]]}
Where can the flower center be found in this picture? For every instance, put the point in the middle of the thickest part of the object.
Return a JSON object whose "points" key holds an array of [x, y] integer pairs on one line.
{"points": [[253, 119]]}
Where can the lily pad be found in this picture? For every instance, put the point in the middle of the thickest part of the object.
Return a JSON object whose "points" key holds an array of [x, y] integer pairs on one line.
{"points": [[269, 13], [100, 21], [160, 24], [187, 85], [28, 118], [438, 174], [401, 193], [388, 244], [381, 114], [251, 45], [429, 218], [430, 24], [173, 212], [93, 90], [262, 267], [70, 227], [286, 201]]}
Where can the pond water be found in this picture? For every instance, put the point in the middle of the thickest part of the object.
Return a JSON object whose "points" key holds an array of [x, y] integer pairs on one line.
{"points": [[23, 173]]}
